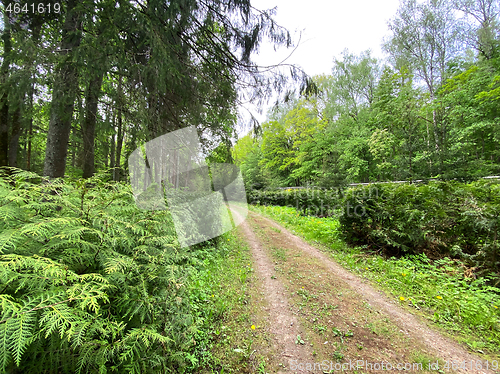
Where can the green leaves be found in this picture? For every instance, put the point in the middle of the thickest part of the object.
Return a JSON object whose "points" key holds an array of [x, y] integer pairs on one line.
{"points": [[94, 285], [443, 217], [283, 138], [20, 332]]}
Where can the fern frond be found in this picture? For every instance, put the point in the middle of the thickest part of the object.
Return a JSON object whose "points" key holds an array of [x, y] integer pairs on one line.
{"points": [[21, 331], [59, 318], [9, 239], [119, 264], [89, 295], [5, 354]]}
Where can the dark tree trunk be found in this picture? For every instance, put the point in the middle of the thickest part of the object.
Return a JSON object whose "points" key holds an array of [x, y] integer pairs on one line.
{"points": [[25, 150], [19, 109], [106, 143], [37, 27], [63, 96], [30, 126], [78, 132], [119, 139], [14, 139], [112, 146], [30, 135], [152, 122], [4, 94], [112, 154], [73, 156], [93, 92], [119, 144]]}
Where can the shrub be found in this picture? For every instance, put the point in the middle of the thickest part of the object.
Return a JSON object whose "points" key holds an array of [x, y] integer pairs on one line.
{"points": [[438, 218], [89, 282], [318, 202]]}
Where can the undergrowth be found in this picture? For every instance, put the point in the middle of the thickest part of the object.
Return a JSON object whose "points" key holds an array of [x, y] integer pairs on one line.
{"points": [[90, 283], [459, 220], [439, 289], [240, 341]]}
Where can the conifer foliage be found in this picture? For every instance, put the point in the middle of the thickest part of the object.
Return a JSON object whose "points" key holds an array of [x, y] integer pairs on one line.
{"points": [[88, 282]]}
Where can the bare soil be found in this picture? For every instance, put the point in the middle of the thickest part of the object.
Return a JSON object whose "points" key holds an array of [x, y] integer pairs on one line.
{"points": [[339, 317], [284, 326]]}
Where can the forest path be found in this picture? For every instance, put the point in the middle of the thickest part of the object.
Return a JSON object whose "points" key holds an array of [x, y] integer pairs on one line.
{"points": [[339, 317]]}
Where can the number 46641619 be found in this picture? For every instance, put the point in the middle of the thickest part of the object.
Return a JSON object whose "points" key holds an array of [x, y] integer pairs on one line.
{"points": [[33, 8]]}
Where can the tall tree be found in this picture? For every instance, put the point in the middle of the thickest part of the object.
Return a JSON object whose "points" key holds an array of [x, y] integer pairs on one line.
{"points": [[93, 91], [15, 131], [64, 93], [4, 89], [282, 140], [482, 25], [425, 38], [352, 84], [182, 62], [96, 50], [119, 134], [19, 66]]}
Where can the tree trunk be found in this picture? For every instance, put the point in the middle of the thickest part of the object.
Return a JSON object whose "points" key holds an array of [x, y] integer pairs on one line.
{"points": [[112, 151], [152, 123], [436, 139], [63, 96], [14, 139], [18, 108], [429, 148], [112, 154], [4, 93], [410, 150], [37, 28], [30, 124], [93, 92], [73, 156], [119, 140], [106, 142], [30, 135], [119, 144], [105, 147], [25, 150]]}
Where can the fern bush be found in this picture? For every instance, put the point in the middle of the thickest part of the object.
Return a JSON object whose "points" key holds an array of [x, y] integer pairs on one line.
{"points": [[88, 282]]}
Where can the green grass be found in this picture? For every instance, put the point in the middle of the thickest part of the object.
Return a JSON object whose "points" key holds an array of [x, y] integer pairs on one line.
{"points": [[467, 308], [226, 294], [218, 292]]}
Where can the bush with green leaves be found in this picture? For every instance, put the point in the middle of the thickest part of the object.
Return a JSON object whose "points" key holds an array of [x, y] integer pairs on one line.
{"points": [[313, 201], [91, 283], [439, 218]]}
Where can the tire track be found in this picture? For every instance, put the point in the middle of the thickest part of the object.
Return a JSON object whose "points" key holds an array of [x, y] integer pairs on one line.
{"points": [[284, 325], [409, 324]]}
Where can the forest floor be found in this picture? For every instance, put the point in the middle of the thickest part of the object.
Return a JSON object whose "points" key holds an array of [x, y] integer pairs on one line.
{"points": [[311, 315]]}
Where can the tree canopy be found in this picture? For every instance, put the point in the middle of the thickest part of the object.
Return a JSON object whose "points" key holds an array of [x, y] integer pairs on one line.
{"points": [[431, 111], [101, 78]]}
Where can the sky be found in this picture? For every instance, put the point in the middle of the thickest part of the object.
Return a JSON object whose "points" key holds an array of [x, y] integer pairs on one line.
{"points": [[328, 27]]}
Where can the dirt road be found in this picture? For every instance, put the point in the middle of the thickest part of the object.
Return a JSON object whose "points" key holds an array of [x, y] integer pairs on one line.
{"points": [[323, 319]]}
